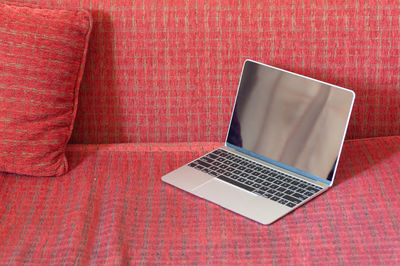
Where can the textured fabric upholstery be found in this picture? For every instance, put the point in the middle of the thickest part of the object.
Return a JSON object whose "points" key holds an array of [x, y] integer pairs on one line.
{"points": [[167, 71], [42, 59], [112, 208]]}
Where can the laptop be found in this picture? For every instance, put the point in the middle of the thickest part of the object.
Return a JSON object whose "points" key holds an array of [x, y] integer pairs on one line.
{"points": [[282, 147]]}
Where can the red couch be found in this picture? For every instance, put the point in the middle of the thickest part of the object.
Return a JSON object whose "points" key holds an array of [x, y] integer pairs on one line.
{"points": [[157, 92]]}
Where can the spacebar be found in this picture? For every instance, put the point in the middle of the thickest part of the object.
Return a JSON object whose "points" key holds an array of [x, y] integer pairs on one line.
{"points": [[233, 182]]}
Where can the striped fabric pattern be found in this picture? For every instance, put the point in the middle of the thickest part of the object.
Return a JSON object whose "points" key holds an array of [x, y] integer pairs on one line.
{"points": [[42, 58], [112, 208], [167, 71]]}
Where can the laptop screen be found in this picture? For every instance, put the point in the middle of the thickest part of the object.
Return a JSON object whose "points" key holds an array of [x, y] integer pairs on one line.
{"points": [[294, 121]]}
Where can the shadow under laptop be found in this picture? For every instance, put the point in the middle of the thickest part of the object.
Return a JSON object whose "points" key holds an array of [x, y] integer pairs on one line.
{"points": [[363, 157]]}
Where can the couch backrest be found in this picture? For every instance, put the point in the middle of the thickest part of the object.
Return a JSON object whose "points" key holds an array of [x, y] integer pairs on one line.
{"points": [[167, 71]]}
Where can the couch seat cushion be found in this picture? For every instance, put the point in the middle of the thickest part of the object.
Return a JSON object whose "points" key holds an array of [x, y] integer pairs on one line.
{"points": [[113, 208]]}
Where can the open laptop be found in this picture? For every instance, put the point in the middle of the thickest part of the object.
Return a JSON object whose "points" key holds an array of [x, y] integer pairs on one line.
{"points": [[282, 147]]}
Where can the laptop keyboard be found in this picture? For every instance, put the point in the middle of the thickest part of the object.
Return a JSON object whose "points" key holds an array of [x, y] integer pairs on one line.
{"points": [[255, 177]]}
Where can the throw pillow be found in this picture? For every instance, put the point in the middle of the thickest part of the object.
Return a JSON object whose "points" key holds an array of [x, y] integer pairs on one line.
{"points": [[42, 59]]}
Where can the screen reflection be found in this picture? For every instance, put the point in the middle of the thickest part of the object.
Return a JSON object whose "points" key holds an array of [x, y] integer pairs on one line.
{"points": [[293, 120]]}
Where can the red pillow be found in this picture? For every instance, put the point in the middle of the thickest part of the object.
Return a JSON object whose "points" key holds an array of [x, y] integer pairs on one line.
{"points": [[42, 58]]}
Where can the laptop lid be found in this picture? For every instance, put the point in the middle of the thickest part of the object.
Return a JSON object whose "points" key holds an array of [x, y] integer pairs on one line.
{"points": [[289, 120]]}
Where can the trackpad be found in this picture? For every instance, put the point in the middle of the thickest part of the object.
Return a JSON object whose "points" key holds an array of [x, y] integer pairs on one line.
{"points": [[227, 196]]}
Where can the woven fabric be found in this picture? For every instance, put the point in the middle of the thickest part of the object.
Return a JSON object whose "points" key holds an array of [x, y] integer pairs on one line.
{"points": [[166, 71], [112, 208], [42, 58]]}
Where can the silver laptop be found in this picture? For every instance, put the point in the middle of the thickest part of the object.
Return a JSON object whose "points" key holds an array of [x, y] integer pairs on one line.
{"points": [[282, 148]]}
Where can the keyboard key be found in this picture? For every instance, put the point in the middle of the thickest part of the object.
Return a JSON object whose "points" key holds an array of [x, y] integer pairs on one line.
{"points": [[206, 170], [274, 198], [289, 192], [280, 177], [307, 193], [259, 180], [241, 179], [207, 160], [274, 186], [290, 204], [313, 189], [233, 182], [212, 156], [267, 195], [301, 191], [251, 166], [299, 196], [258, 192], [282, 201], [292, 199], [281, 189]]}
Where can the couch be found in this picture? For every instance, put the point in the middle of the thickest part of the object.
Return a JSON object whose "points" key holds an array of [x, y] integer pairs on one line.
{"points": [[157, 92]]}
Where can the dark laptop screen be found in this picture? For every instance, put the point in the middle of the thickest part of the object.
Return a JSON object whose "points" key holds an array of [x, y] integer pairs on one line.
{"points": [[290, 119]]}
